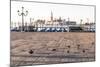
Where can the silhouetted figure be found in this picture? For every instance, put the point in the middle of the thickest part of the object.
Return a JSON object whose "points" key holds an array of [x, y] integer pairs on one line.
{"points": [[31, 51]]}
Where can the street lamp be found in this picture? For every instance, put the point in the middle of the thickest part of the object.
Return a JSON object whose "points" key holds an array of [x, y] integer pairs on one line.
{"points": [[22, 14]]}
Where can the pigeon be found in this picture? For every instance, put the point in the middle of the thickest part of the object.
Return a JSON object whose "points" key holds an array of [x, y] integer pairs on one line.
{"points": [[31, 51]]}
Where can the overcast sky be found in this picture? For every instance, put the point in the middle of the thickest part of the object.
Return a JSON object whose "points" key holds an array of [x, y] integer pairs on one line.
{"points": [[43, 11]]}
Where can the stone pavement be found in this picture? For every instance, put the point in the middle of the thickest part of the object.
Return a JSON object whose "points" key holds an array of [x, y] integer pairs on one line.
{"points": [[51, 48]]}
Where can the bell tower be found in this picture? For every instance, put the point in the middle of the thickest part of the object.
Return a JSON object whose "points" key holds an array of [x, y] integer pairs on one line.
{"points": [[51, 16]]}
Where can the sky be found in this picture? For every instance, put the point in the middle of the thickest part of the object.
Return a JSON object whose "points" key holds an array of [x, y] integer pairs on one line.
{"points": [[43, 11]]}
